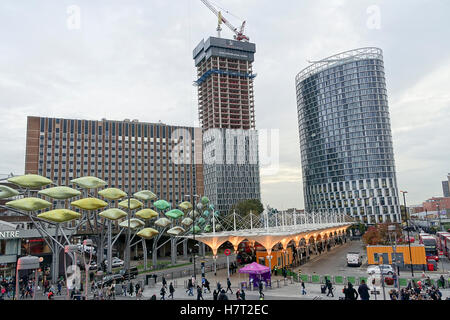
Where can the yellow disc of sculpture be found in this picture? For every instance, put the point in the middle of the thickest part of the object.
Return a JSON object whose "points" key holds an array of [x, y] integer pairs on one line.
{"points": [[175, 231], [113, 214], [187, 221], [147, 233], [147, 214], [7, 192], [185, 205], [29, 204], [134, 223], [30, 181], [60, 192], [89, 182], [145, 195], [112, 194], [134, 204], [89, 204], [60, 215], [162, 222]]}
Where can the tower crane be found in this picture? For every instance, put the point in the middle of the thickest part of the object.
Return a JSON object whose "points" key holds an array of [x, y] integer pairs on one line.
{"points": [[238, 33]]}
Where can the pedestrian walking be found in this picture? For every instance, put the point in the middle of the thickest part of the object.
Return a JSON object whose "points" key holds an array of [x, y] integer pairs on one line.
{"points": [[363, 291], [350, 292], [238, 295], [329, 286], [242, 294], [206, 284], [137, 286], [124, 289], [190, 289], [215, 295], [164, 282], [260, 287], [222, 295], [171, 291], [442, 281], [163, 293], [303, 288], [130, 288], [139, 293], [229, 285], [199, 293], [219, 287]]}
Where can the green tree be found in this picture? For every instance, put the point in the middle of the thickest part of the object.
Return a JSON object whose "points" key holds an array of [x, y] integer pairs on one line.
{"points": [[244, 207]]}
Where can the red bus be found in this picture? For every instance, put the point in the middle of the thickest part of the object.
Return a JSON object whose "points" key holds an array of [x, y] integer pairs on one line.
{"points": [[430, 245], [441, 240], [447, 247]]}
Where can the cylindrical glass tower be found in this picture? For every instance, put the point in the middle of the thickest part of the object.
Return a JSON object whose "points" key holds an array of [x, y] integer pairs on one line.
{"points": [[345, 137]]}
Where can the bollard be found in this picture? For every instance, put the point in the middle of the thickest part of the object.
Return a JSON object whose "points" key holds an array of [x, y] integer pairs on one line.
{"points": [[278, 283], [285, 281], [175, 284], [292, 279]]}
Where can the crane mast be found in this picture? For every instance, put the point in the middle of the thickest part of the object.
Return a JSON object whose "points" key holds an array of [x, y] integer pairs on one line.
{"points": [[238, 34]]}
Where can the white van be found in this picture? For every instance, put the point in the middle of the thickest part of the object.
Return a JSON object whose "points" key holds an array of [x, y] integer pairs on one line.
{"points": [[354, 259]]}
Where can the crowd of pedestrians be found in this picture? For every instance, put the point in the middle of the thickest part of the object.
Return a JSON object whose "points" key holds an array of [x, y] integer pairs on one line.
{"points": [[417, 291]]}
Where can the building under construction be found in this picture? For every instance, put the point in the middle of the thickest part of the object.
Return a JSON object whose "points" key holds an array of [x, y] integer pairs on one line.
{"points": [[227, 116], [225, 83]]}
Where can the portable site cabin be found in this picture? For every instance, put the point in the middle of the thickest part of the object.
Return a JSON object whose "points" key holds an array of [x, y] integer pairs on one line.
{"points": [[385, 254]]}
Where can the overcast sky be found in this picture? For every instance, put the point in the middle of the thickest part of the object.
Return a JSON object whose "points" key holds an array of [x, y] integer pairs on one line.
{"points": [[133, 59]]}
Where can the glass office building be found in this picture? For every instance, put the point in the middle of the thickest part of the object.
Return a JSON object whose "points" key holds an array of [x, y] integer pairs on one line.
{"points": [[345, 137]]}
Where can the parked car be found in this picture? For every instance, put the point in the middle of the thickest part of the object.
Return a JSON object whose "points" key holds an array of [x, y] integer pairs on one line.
{"points": [[133, 273], [385, 268], [110, 278], [115, 263]]}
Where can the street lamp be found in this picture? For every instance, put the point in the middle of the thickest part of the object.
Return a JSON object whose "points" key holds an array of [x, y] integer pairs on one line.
{"points": [[193, 224], [439, 214], [407, 230]]}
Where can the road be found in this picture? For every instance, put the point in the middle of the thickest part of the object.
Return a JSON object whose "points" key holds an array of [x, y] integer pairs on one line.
{"points": [[335, 261]]}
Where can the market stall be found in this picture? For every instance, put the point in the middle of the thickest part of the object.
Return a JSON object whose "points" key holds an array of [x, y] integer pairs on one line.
{"points": [[257, 273]]}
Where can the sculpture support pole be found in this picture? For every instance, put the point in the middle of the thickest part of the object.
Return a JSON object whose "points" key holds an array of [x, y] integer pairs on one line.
{"points": [[144, 248], [109, 248]]}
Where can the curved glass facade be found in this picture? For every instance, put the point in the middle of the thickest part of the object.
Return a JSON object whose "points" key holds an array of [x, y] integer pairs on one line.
{"points": [[345, 137]]}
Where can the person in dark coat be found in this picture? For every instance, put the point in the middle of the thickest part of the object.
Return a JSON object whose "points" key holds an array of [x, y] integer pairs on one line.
{"points": [[206, 284], [222, 295], [229, 285], [329, 286], [260, 289], [163, 293], [171, 291], [215, 294], [363, 291], [242, 295], [199, 293], [350, 292]]}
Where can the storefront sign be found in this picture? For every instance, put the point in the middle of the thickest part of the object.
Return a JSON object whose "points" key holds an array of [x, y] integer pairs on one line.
{"points": [[9, 234]]}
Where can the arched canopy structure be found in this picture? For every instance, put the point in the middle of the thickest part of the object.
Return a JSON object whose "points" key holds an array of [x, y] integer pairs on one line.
{"points": [[269, 237]]}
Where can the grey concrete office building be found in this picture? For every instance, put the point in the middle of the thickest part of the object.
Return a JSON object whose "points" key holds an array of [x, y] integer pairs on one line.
{"points": [[226, 113], [346, 147]]}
